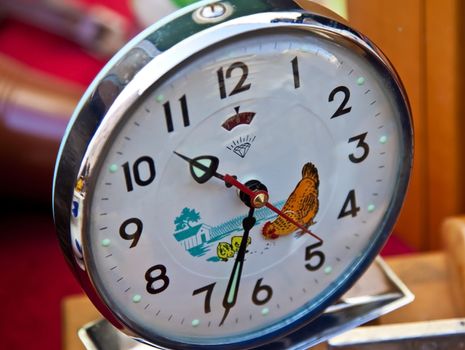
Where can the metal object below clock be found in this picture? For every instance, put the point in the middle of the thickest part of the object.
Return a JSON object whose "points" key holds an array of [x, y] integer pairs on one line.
{"points": [[427, 335]]}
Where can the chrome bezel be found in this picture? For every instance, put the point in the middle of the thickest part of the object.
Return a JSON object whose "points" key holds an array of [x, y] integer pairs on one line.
{"points": [[88, 134]]}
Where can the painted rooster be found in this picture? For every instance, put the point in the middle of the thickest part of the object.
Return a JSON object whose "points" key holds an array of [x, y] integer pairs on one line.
{"points": [[301, 206]]}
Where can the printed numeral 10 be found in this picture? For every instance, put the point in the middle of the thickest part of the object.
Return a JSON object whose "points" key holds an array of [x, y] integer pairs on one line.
{"points": [[142, 172]]}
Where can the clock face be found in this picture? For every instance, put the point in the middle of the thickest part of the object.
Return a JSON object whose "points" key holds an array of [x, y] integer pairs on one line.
{"points": [[313, 121]]}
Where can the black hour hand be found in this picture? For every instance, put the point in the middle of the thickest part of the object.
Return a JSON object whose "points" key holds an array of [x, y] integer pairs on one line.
{"points": [[202, 168]]}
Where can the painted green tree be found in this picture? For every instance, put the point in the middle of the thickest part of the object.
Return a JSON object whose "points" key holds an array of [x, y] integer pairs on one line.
{"points": [[187, 217]]}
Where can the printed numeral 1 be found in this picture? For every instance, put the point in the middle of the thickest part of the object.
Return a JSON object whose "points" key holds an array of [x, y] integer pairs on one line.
{"points": [[295, 72]]}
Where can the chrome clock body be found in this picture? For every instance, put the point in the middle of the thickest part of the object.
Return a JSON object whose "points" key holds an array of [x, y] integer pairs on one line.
{"points": [[290, 97]]}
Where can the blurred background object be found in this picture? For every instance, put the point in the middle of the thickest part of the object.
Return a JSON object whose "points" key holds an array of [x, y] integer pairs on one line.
{"points": [[45, 65], [49, 51], [338, 6], [97, 28], [147, 12], [34, 110]]}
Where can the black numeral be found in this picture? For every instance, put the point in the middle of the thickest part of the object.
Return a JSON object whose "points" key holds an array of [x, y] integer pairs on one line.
{"points": [[161, 279], [295, 72], [141, 163], [314, 258], [169, 117], [360, 144], [135, 235], [342, 109], [350, 206], [208, 290], [261, 293], [240, 86]]}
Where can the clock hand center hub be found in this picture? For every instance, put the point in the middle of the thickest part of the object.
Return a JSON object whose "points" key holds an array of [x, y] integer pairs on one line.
{"points": [[260, 195], [260, 199]]}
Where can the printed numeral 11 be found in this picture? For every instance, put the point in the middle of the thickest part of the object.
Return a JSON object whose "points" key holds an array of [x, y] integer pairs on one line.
{"points": [[169, 117]]}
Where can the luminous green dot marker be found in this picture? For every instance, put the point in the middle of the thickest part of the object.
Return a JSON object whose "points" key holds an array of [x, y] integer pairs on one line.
{"points": [[106, 242], [360, 81], [159, 98], [265, 311], [195, 323], [113, 168], [328, 270], [383, 139], [371, 208], [136, 298]]}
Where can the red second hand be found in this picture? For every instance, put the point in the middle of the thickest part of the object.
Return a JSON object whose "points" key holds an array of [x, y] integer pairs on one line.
{"points": [[232, 181]]}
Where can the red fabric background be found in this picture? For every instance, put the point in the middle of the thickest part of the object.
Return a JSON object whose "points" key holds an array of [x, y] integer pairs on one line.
{"points": [[51, 53], [34, 277]]}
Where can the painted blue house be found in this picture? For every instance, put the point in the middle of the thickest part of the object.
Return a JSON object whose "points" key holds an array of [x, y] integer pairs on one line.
{"points": [[194, 236]]}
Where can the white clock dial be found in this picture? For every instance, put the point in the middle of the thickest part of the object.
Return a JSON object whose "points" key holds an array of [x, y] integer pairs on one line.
{"points": [[295, 111]]}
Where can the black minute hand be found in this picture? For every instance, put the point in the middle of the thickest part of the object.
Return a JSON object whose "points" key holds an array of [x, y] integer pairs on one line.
{"points": [[230, 296]]}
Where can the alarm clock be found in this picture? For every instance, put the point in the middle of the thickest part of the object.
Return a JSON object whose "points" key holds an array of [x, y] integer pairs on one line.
{"points": [[231, 172]]}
